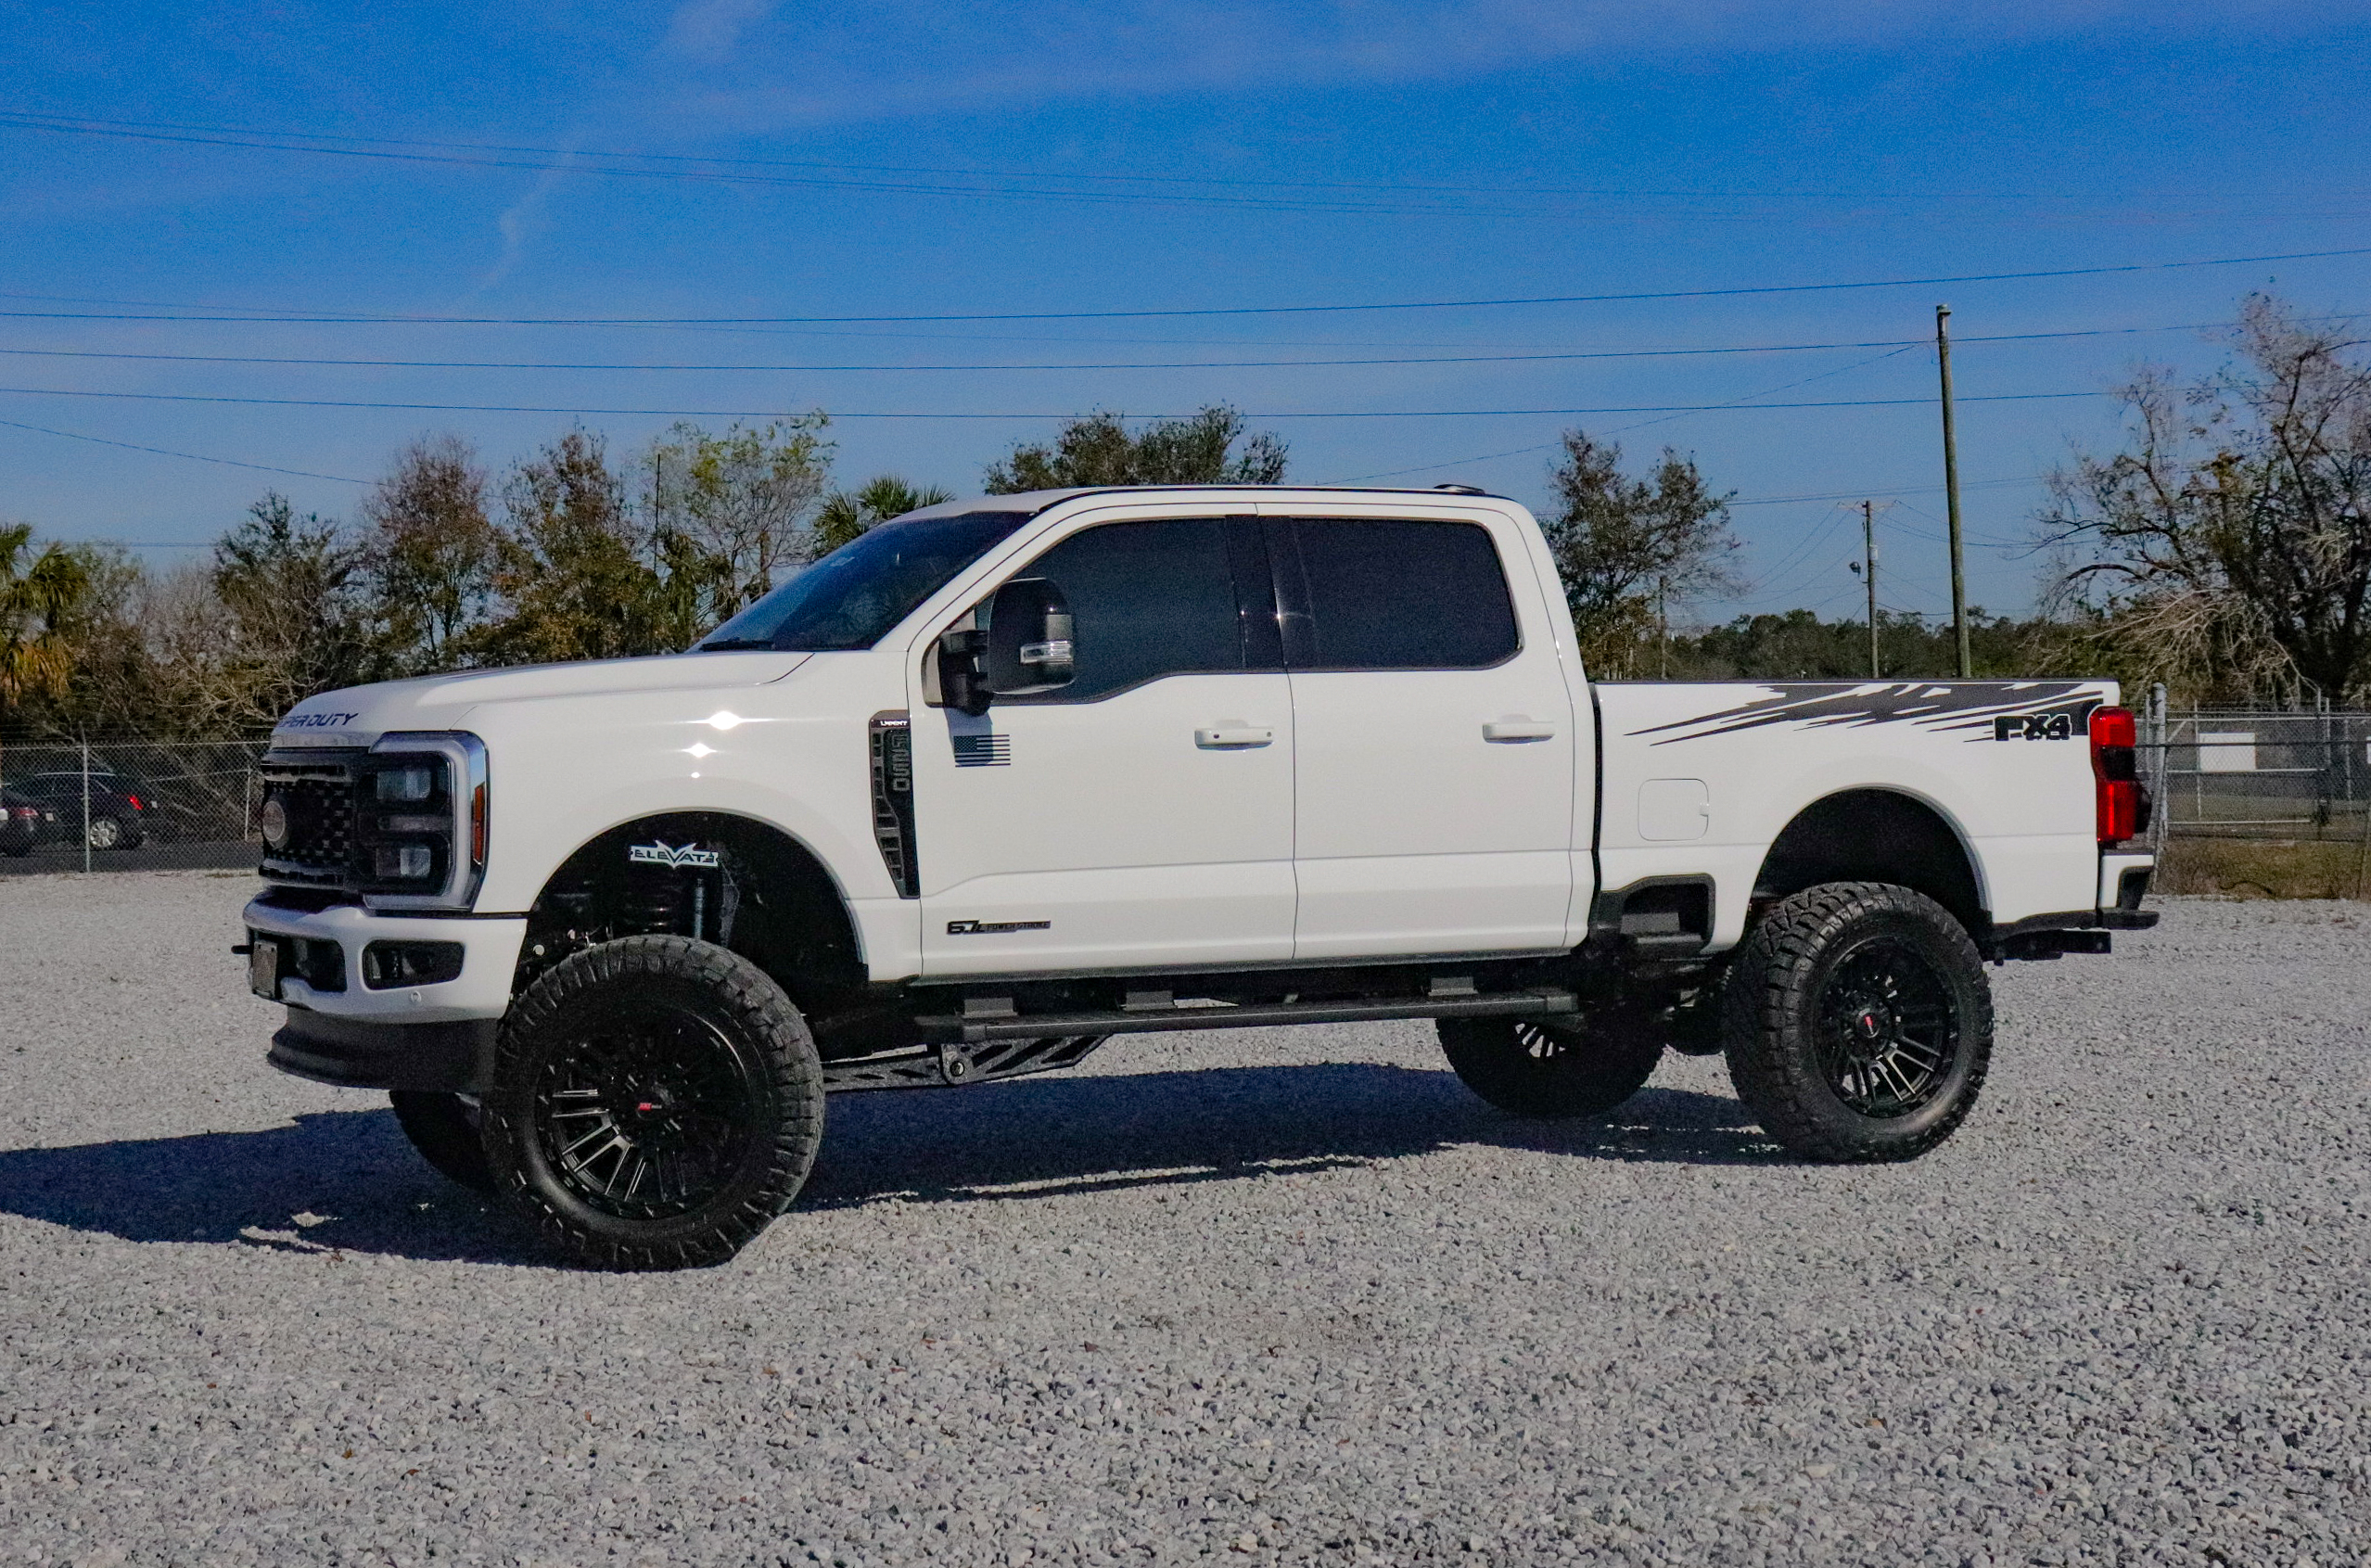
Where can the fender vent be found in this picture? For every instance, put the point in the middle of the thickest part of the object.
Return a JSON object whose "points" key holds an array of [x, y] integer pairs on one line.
{"points": [[893, 800]]}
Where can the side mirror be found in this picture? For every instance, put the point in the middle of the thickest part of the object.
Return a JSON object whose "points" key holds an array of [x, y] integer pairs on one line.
{"points": [[1029, 643], [1025, 648]]}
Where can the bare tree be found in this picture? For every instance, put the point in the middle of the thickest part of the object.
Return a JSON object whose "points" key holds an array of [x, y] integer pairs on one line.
{"points": [[2227, 548], [1624, 547]]}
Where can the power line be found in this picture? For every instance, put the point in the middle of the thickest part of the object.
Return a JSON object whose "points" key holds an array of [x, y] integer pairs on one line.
{"points": [[355, 319], [193, 456], [777, 412], [1067, 365], [1049, 188]]}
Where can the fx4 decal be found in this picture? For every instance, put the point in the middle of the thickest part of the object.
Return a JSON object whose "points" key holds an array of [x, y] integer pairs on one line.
{"points": [[666, 854], [1971, 707], [2034, 727]]}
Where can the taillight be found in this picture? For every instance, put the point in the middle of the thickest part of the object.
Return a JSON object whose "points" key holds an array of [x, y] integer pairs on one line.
{"points": [[2115, 767], [136, 802]]}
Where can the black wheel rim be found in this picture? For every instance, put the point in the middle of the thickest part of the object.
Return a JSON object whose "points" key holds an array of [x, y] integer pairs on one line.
{"points": [[647, 1114], [1889, 1029], [1545, 1046]]}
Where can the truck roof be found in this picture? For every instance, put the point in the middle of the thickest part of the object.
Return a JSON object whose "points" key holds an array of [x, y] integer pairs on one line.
{"points": [[1034, 500]]}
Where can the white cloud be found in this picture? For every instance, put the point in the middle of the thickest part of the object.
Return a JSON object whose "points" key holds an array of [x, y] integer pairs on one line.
{"points": [[867, 59], [709, 30]]}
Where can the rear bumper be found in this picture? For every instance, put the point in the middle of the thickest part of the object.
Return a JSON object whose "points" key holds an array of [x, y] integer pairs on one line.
{"points": [[457, 1057]]}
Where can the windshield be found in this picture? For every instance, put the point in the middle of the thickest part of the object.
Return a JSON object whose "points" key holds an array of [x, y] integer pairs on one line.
{"points": [[851, 598]]}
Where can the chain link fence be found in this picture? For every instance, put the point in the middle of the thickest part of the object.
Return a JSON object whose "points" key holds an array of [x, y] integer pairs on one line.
{"points": [[2279, 801], [2260, 800], [128, 804]]}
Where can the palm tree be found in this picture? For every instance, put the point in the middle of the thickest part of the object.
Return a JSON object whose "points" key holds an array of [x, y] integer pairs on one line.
{"points": [[39, 597], [846, 514]]}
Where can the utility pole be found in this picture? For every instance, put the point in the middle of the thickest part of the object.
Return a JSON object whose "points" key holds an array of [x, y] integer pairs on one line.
{"points": [[1951, 492], [1869, 555], [1662, 627]]}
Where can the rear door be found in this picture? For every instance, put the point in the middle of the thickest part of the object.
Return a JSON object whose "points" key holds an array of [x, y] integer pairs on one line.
{"points": [[1436, 741], [1142, 815]]}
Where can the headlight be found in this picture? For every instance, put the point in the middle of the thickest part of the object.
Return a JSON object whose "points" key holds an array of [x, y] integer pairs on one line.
{"points": [[420, 820]]}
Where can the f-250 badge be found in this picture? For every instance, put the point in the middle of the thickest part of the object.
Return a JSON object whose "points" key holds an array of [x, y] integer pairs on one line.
{"points": [[2034, 727]]}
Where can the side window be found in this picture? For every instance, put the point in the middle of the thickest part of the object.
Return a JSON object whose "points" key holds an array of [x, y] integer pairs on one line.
{"points": [[1404, 595], [1147, 599]]}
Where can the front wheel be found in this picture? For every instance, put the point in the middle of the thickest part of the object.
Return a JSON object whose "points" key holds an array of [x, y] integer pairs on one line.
{"points": [[1858, 1023], [656, 1101]]}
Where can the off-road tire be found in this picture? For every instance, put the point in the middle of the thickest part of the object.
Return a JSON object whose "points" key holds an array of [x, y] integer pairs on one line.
{"points": [[750, 1078], [1808, 1024], [443, 1127], [1534, 1068]]}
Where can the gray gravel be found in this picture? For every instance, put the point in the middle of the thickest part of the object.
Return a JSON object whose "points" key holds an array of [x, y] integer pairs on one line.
{"points": [[1269, 1295]]}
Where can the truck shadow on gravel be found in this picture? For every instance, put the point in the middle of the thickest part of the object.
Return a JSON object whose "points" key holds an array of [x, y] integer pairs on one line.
{"points": [[345, 1182]]}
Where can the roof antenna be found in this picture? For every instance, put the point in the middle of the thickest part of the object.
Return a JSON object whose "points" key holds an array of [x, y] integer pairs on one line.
{"points": [[1462, 490]]}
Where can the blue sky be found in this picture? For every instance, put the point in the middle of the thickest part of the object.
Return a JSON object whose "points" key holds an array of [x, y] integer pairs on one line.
{"points": [[1006, 160]]}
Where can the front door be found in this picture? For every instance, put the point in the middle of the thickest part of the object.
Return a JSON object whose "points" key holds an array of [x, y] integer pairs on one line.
{"points": [[1141, 816], [1436, 739]]}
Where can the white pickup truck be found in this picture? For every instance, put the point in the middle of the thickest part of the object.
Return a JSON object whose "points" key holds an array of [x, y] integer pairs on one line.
{"points": [[1008, 776]]}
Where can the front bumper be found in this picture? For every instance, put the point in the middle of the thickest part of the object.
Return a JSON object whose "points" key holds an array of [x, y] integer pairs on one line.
{"points": [[480, 992]]}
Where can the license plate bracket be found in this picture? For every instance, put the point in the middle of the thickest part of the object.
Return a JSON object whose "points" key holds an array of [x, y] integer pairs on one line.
{"points": [[263, 968]]}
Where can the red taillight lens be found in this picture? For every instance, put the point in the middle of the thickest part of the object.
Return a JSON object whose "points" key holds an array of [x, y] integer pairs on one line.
{"points": [[2115, 767], [136, 802]]}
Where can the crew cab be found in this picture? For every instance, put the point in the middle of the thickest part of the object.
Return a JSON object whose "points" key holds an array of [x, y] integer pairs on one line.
{"points": [[1009, 776]]}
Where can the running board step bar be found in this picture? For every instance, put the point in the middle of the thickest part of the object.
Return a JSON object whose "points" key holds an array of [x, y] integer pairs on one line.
{"points": [[937, 1066], [983, 1019]]}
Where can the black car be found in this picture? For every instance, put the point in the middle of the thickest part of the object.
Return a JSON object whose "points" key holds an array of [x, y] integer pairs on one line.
{"points": [[24, 824], [118, 803]]}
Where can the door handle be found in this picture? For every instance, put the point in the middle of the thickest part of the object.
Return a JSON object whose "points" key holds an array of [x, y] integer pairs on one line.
{"points": [[1234, 735], [1508, 731]]}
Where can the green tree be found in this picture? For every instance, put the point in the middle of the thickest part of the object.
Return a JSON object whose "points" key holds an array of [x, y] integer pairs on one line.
{"points": [[847, 515], [42, 593], [729, 513], [2227, 548], [296, 625], [570, 567], [1097, 449], [1626, 547], [428, 555]]}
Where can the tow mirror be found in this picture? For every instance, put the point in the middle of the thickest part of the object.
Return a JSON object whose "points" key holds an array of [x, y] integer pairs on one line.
{"points": [[1029, 643], [1027, 647]]}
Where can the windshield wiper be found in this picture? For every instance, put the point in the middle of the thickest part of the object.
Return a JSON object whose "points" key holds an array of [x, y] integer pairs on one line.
{"points": [[732, 644]]}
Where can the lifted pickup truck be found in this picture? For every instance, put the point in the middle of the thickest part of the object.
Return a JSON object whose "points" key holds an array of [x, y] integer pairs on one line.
{"points": [[1009, 776]]}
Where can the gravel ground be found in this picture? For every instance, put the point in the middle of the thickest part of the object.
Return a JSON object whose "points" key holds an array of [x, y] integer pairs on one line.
{"points": [[1266, 1296]]}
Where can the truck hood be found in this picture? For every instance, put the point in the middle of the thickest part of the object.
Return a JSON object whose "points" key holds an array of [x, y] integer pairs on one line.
{"points": [[359, 715]]}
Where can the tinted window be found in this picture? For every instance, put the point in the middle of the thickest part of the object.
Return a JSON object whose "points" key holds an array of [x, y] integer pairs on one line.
{"points": [[1404, 595], [852, 597], [1146, 600]]}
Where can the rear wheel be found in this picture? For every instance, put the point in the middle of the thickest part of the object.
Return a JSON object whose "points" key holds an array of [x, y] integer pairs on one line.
{"points": [[1581, 1067], [1858, 1023], [657, 1103], [105, 833], [445, 1128]]}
